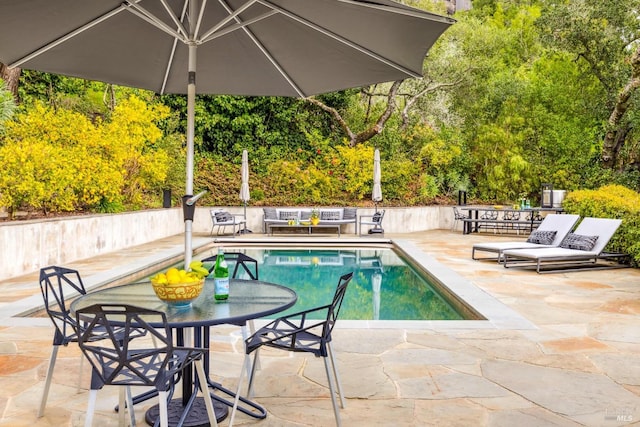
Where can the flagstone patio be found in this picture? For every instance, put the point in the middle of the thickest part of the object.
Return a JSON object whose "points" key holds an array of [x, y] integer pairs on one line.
{"points": [[579, 365]]}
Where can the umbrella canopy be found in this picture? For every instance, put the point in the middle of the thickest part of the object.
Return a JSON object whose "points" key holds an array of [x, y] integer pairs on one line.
{"points": [[244, 47], [239, 47], [376, 194]]}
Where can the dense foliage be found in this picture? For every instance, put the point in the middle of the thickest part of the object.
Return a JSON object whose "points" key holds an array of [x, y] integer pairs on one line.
{"points": [[612, 201], [61, 161], [515, 94]]}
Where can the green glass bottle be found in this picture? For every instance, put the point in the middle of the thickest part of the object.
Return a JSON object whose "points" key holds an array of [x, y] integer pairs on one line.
{"points": [[221, 277]]}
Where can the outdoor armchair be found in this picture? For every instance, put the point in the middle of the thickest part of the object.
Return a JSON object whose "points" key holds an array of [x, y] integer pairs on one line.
{"points": [[116, 361], [375, 220], [56, 285], [223, 219], [301, 332]]}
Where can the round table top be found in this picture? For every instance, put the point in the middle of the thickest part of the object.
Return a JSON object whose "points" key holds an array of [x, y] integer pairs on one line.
{"points": [[248, 299]]}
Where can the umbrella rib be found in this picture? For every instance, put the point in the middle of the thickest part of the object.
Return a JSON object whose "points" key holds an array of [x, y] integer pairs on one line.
{"points": [[199, 22], [401, 9], [264, 50], [228, 19], [235, 27], [147, 16], [175, 19], [173, 51], [340, 39], [69, 35]]}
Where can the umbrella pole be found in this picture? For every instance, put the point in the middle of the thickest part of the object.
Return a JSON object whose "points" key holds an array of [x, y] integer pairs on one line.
{"points": [[191, 102]]}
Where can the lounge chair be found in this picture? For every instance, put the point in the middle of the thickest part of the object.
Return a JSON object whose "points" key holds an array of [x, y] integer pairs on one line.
{"points": [[579, 250], [560, 223]]}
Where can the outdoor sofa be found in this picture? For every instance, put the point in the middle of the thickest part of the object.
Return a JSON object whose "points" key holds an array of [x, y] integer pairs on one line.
{"points": [[328, 216]]}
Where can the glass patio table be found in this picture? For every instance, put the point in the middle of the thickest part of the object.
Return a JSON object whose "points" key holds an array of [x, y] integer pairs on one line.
{"points": [[248, 299]]}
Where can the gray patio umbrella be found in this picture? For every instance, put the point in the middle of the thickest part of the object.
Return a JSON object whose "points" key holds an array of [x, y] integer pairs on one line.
{"points": [[240, 47], [245, 196], [376, 194]]}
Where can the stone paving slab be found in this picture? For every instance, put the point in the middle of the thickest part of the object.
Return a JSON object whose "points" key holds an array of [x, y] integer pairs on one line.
{"points": [[577, 364]]}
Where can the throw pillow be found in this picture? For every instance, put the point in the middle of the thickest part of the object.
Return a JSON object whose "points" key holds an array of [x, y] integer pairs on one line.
{"points": [[270, 213], [286, 215], [329, 215], [542, 237], [578, 241], [377, 217], [350, 213], [223, 217]]}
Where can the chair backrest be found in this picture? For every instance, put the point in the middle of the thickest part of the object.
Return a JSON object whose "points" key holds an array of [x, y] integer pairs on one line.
{"points": [[457, 214], [114, 360], [56, 284], [511, 215], [489, 215], [237, 260], [334, 309], [604, 228]]}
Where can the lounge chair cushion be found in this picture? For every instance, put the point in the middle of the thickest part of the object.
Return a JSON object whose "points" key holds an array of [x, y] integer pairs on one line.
{"points": [[542, 237], [578, 241], [223, 216]]}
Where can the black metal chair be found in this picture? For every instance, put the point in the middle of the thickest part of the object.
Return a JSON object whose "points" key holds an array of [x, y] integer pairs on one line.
{"points": [[118, 361], [457, 216], [57, 284], [301, 332], [238, 260], [249, 269]]}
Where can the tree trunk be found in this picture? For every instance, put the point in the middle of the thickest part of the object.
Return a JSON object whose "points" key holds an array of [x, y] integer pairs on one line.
{"points": [[11, 77], [614, 138], [367, 134]]}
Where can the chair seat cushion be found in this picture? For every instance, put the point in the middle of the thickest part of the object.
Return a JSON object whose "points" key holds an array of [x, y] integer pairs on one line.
{"points": [[542, 237], [578, 241]]}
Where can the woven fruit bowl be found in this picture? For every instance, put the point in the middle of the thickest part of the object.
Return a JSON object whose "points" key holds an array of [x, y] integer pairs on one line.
{"points": [[178, 294], [180, 287]]}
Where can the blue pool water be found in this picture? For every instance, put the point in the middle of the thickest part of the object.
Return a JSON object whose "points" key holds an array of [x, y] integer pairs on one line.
{"points": [[384, 286]]}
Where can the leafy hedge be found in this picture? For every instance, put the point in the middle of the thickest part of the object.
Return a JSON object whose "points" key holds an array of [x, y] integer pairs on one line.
{"points": [[612, 201]]}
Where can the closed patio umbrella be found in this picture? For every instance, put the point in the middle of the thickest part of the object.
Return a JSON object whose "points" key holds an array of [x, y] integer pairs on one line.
{"points": [[245, 196], [239, 47], [376, 194]]}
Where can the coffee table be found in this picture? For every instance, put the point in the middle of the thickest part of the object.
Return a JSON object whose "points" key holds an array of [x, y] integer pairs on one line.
{"points": [[308, 227]]}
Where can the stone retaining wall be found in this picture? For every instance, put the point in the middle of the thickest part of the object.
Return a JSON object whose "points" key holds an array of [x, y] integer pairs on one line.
{"points": [[29, 245]]}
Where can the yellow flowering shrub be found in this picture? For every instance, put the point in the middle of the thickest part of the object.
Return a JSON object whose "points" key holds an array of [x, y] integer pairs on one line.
{"points": [[611, 201], [56, 160]]}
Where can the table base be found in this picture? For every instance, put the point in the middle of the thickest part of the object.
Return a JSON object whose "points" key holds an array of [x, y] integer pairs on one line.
{"points": [[196, 416]]}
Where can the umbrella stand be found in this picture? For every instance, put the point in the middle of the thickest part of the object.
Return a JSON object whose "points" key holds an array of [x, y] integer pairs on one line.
{"points": [[245, 230]]}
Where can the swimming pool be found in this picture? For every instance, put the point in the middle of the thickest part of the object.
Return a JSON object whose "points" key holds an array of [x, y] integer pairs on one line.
{"points": [[384, 285]]}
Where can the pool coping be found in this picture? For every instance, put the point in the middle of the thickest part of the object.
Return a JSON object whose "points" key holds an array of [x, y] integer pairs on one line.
{"points": [[497, 314]]}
